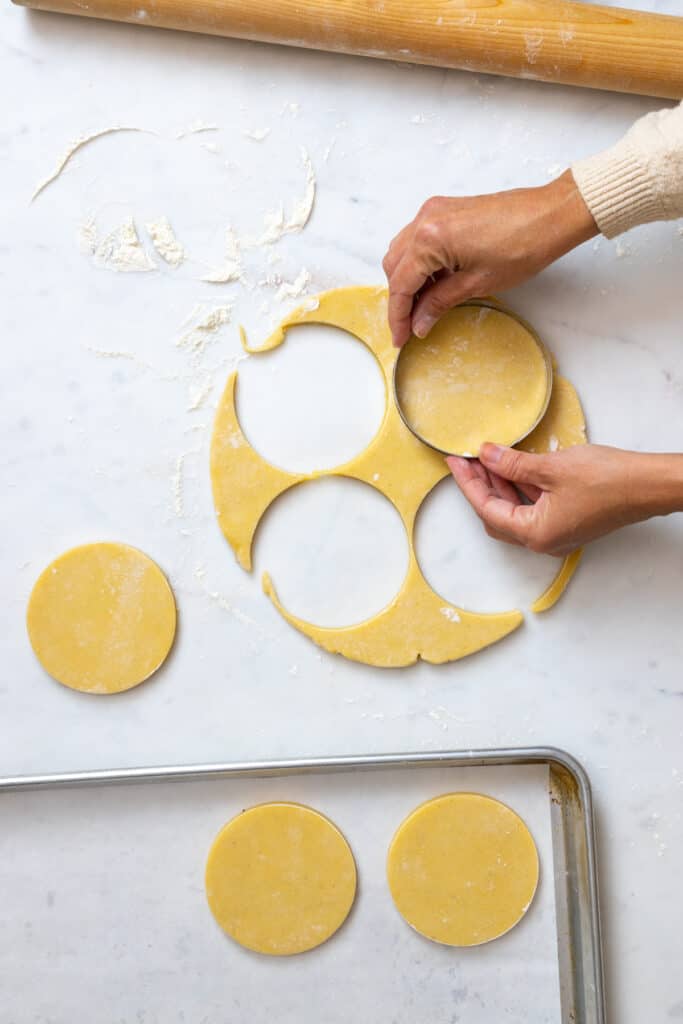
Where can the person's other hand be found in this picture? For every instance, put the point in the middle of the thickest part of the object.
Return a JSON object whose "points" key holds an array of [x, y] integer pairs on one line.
{"points": [[554, 503], [458, 249]]}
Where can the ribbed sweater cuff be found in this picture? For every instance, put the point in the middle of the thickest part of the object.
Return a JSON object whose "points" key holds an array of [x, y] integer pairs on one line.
{"points": [[618, 189]]}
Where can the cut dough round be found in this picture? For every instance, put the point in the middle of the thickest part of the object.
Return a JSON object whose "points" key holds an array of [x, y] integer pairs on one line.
{"points": [[463, 869], [101, 618], [481, 375], [280, 878]]}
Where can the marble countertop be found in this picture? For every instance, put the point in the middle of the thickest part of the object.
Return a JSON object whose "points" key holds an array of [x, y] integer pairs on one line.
{"points": [[106, 422]]}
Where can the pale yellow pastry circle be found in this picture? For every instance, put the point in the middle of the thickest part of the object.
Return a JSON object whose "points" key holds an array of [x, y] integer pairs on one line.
{"points": [[463, 869], [101, 618], [280, 878], [480, 375]]}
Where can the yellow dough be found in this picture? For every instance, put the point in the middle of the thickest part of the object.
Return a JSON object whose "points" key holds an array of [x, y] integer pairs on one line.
{"points": [[480, 375], [101, 618], [463, 869], [280, 878], [418, 623]]}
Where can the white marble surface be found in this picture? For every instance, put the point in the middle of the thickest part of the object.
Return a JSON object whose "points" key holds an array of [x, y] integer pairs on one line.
{"points": [[91, 443]]}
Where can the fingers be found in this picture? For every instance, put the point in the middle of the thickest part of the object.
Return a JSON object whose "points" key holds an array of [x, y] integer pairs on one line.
{"points": [[396, 249], [530, 491], [503, 489], [407, 278], [438, 298], [504, 518], [522, 468]]}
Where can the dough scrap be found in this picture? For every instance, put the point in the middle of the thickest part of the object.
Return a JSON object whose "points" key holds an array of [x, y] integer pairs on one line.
{"points": [[414, 625], [101, 618], [463, 869], [280, 878], [480, 375]]}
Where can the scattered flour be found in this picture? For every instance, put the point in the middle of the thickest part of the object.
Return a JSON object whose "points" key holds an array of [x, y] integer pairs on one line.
{"points": [[87, 236], [553, 444], [209, 323], [77, 144], [165, 241], [196, 127], [256, 134], [177, 487], [231, 270], [122, 251], [198, 393], [236, 613], [533, 41], [418, 119], [293, 289], [450, 614], [276, 224], [328, 148]]}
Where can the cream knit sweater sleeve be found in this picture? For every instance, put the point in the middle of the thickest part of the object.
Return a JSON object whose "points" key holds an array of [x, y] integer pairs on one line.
{"points": [[638, 180]]}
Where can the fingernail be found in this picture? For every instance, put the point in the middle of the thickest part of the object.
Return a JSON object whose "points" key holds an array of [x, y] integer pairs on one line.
{"points": [[492, 453], [423, 325]]}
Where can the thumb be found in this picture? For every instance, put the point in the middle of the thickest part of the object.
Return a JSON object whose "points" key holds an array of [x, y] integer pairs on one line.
{"points": [[517, 466], [438, 298]]}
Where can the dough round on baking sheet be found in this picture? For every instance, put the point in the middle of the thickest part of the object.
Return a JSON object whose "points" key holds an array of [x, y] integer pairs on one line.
{"points": [[280, 878], [480, 375], [101, 618], [463, 869]]}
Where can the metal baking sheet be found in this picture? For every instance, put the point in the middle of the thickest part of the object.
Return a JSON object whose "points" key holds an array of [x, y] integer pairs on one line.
{"points": [[104, 916]]}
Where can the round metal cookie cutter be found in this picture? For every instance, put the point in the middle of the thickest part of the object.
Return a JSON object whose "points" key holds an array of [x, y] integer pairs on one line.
{"points": [[486, 304]]}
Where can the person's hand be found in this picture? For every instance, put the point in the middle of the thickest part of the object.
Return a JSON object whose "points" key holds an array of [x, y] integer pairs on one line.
{"points": [[554, 503], [459, 249]]}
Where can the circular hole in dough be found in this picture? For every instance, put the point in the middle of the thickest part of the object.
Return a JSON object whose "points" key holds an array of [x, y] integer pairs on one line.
{"points": [[480, 375], [463, 869], [336, 549], [101, 618], [280, 878], [463, 564], [312, 403]]}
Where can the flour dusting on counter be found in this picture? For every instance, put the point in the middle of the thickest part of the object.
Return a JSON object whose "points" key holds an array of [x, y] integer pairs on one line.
{"points": [[196, 127], [208, 324], [74, 146], [122, 251], [293, 289], [276, 224], [231, 270], [256, 134], [165, 241]]}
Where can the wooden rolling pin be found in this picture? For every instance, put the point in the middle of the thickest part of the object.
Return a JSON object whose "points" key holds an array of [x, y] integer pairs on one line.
{"points": [[552, 40]]}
